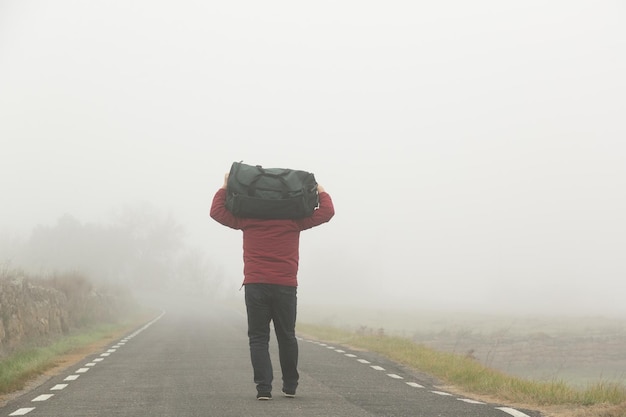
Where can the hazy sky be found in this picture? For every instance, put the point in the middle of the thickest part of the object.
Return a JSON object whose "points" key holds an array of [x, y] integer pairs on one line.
{"points": [[475, 151]]}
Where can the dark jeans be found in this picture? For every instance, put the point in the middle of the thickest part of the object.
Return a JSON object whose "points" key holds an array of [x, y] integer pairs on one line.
{"points": [[277, 303]]}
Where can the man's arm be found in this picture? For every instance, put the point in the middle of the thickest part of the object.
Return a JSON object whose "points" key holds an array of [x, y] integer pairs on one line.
{"points": [[219, 212], [322, 214]]}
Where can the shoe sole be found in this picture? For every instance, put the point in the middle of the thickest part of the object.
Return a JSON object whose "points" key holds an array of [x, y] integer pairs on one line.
{"points": [[263, 398]]}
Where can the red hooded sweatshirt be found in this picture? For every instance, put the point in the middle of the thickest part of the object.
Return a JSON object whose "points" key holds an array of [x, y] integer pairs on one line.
{"points": [[271, 247]]}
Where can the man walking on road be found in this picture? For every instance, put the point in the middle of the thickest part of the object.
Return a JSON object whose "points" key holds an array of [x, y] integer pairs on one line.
{"points": [[270, 255]]}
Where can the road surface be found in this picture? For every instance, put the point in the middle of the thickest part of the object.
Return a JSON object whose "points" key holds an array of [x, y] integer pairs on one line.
{"points": [[194, 361]]}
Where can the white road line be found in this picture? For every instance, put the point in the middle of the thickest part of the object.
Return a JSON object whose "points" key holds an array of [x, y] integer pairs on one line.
{"points": [[98, 359], [441, 393], [57, 387], [512, 412], [467, 400], [22, 411], [43, 397], [145, 326]]}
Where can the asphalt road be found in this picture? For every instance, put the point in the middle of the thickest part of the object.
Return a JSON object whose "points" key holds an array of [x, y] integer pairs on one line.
{"points": [[194, 361]]}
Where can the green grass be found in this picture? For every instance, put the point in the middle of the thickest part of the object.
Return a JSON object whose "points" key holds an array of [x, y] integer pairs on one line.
{"points": [[27, 363], [471, 376]]}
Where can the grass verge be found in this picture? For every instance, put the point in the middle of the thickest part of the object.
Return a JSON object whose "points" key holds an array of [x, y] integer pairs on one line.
{"points": [[25, 364], [469, 376]]}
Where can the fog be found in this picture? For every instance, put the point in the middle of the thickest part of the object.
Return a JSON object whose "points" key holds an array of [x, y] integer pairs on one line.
{"points": [[474, 151]]}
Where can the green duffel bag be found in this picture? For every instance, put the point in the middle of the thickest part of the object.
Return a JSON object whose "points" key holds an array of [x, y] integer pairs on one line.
{"points": [[270, 193]]}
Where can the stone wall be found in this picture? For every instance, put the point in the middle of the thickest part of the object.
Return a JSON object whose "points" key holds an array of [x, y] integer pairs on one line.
{"points": [[35, 311]]}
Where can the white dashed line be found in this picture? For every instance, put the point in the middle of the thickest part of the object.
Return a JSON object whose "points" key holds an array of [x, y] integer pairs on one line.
{"points": [[43, 397], [98, 359], [467, 400], [512, 412], [22, 411]]}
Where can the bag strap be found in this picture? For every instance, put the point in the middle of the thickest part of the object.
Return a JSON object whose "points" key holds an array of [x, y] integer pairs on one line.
{"points": [[281, 177]]}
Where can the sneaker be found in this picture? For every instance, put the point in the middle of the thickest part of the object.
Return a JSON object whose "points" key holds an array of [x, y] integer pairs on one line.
{"points": [[289, 393], [264, 396]]}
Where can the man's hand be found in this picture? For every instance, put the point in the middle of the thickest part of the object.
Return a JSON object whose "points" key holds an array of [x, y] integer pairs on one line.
{"points": [[225, 181], [320, 189]]}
